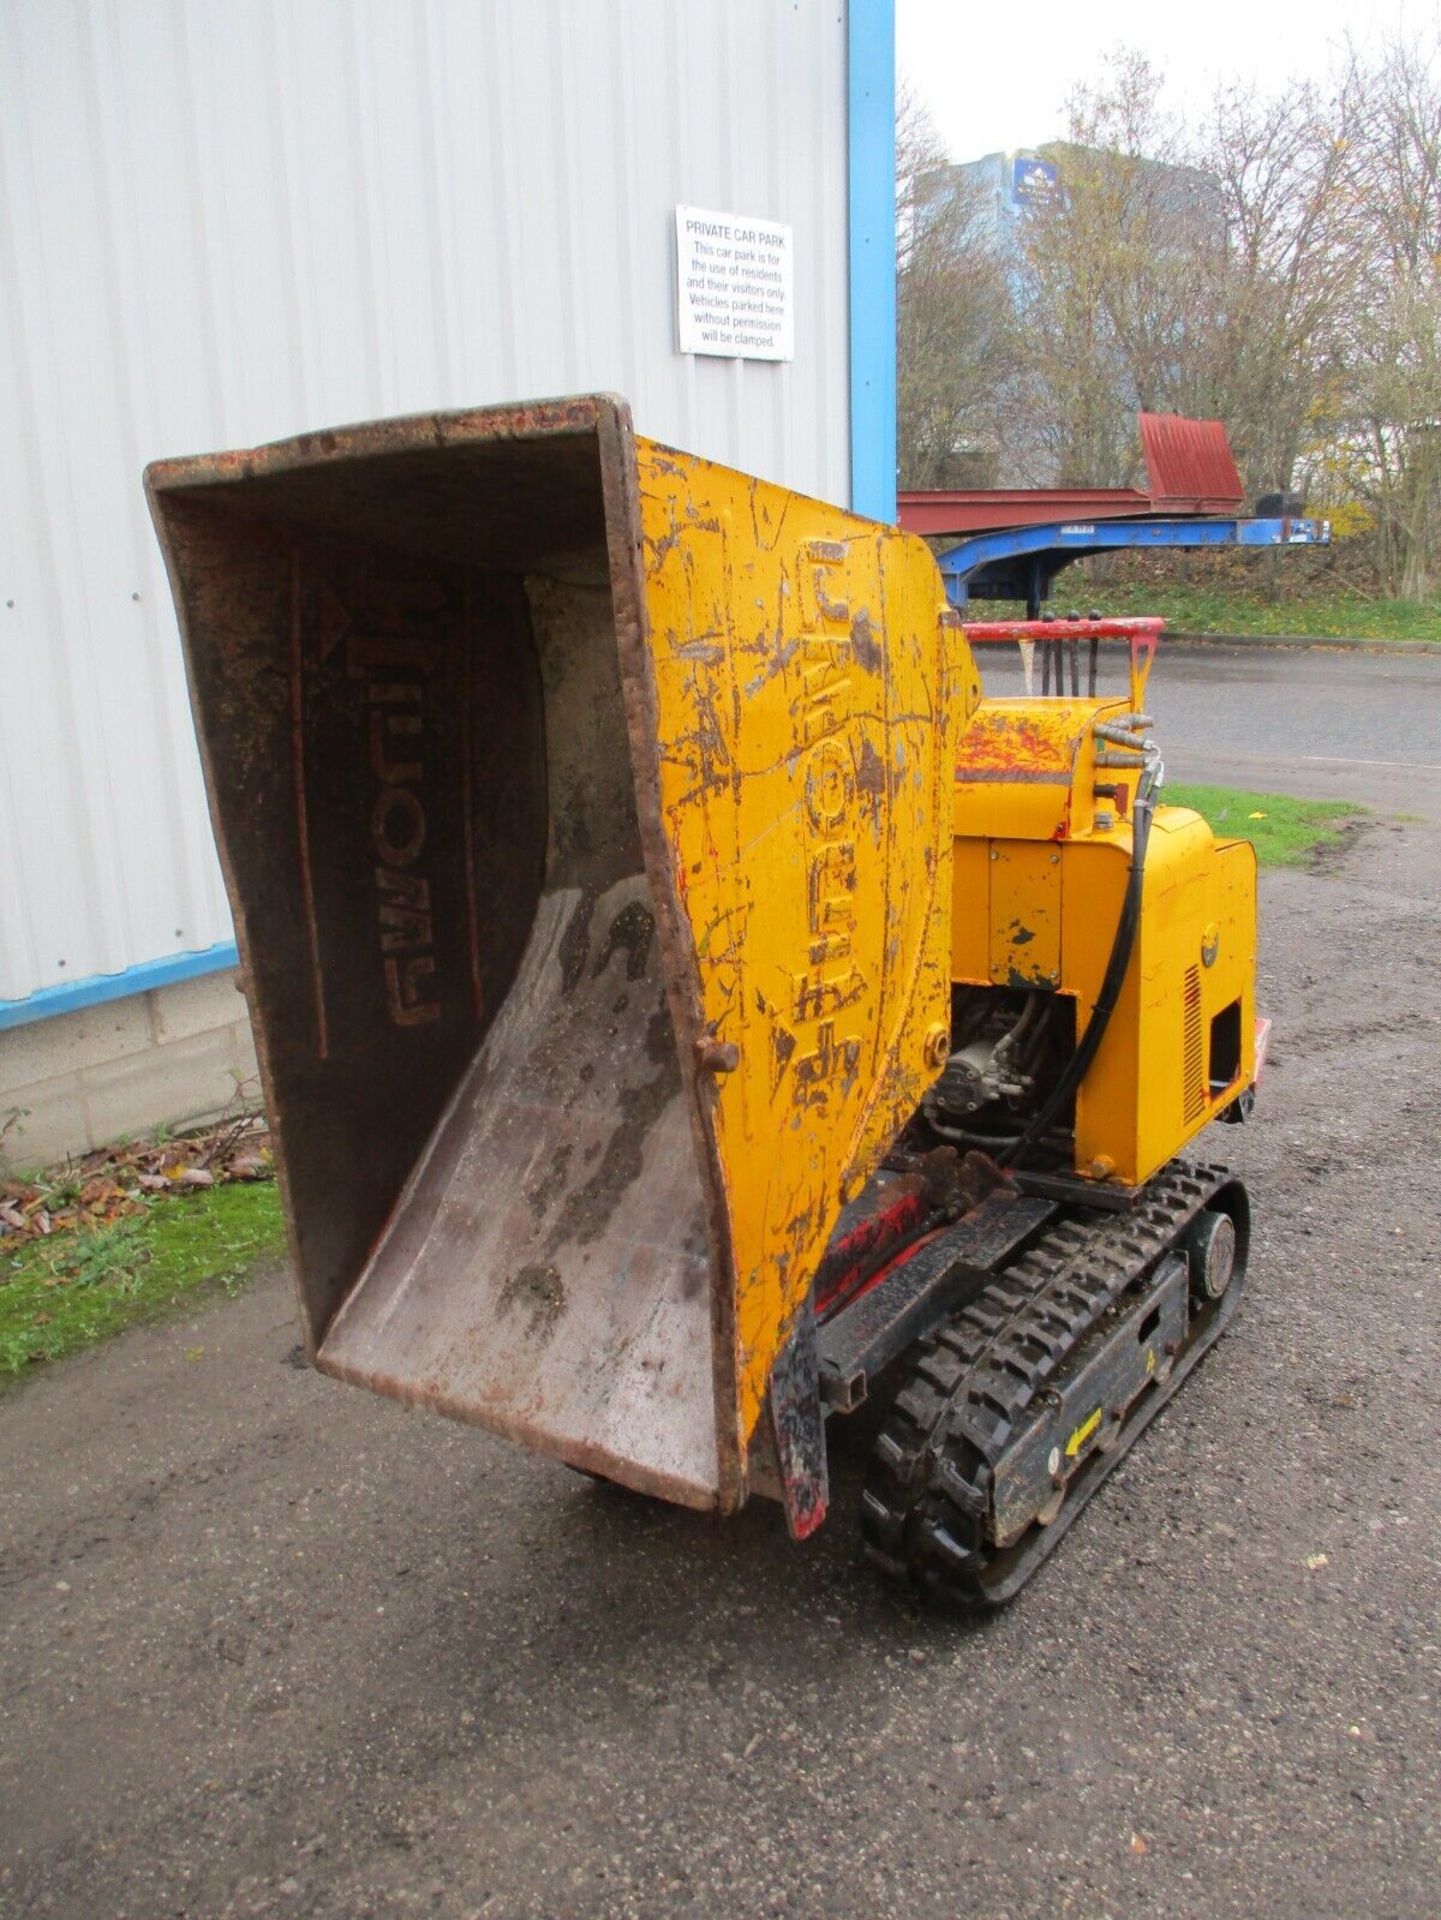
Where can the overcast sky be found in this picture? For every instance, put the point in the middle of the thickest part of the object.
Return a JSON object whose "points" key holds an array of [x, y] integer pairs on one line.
{"points": [[996, 76]]}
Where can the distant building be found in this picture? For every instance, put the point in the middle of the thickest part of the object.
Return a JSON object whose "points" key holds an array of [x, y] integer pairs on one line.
{"points": [[1008, 187]]}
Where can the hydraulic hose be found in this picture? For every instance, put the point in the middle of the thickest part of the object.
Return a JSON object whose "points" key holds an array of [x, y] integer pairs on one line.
{"points": [[1122, 947]]}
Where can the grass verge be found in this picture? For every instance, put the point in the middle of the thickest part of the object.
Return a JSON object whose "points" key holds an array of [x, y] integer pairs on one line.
{"points": [[1337, 616], [61, 1294], [1284, 832]]}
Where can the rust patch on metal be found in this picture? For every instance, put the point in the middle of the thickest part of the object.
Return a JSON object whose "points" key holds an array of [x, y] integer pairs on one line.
{"points": [[1016, 743], [783, 1045], [870, 771], [717, 1056], [869, 655], [537, 1291]]}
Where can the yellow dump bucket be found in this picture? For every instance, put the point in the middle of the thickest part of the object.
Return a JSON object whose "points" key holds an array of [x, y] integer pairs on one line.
{"points": [[585, 811]]}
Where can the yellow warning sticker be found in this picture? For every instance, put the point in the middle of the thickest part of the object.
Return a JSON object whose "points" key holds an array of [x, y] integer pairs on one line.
{"points": [[1082, 1434]]}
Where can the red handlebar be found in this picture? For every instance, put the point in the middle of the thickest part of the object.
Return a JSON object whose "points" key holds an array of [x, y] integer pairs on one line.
{"points": [[1137, 629]]}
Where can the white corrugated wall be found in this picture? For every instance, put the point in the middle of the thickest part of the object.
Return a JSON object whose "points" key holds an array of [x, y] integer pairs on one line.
{"points": [[223, 221]]}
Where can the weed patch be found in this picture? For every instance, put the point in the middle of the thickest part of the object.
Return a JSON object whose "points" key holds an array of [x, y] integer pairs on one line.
{"points": [[1226, 610], [67, 1291], [1285, 832]]}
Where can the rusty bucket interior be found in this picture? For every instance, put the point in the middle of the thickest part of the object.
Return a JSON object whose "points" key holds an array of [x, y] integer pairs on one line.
{"points": [[406, 667], [423, 663]]}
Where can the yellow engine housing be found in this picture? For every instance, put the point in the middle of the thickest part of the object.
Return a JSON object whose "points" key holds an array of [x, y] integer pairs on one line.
{"points": [[1039, 878]]}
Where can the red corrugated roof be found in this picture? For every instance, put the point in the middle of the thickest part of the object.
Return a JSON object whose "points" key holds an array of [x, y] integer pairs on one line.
{"points": [[1188, 462]]}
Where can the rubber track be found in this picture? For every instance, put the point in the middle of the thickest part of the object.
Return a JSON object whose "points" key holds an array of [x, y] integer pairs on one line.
{"points": [[927, 1491]]}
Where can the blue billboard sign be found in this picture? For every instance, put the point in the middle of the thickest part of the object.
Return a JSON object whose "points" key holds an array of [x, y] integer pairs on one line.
{"points": [[1031, 179]]}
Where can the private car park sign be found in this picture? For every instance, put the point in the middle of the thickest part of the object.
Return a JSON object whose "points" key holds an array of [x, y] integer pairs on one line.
{"points": [[735, 285]]}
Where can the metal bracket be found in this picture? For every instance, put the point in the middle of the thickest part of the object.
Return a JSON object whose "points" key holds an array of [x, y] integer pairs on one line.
{"points": [[918, 1290], [793, 1409]]}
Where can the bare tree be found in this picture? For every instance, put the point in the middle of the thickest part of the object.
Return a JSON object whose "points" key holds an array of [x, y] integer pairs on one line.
{"points": [[1121, 266], [954, 317], [1392, 453], [1286, 280], [1277, 266], [1188, 273]]}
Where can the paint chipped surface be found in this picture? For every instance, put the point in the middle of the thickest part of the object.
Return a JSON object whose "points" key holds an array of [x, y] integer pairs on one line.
{"points": [[1024, 878], [575, 1188], [805, 788], [1027, 767]]}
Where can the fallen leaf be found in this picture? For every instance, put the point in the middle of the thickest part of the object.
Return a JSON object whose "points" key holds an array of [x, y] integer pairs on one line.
{"points": [[1138, 1845], [110, 1183], [1255, 816], [1315, 1560]]}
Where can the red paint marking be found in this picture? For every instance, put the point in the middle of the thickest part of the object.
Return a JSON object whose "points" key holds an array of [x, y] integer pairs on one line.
{"points": [[805, 1522], [1139, 629], [897, 1260], [302, 823], [891, 1222]]}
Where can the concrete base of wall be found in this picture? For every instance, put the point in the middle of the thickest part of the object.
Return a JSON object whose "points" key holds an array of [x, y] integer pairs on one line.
{"points": [[179, 1054]]}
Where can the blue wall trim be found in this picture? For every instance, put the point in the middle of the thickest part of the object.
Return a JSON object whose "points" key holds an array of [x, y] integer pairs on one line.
{"points": [[100, 987], [871, 87]]}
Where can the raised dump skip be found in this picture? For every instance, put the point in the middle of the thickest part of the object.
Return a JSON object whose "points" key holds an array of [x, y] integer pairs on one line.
{"points": [[585, 814]]}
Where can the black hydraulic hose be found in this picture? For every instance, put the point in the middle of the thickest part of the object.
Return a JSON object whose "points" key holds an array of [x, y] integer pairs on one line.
{"points": [[1122, 947]]}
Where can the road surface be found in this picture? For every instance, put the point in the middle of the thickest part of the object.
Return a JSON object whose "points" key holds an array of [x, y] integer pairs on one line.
{"points": [[1324, 721], [270, 1646]]}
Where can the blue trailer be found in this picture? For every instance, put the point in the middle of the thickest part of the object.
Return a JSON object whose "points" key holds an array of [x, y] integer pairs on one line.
{"points": [[1022, 563]]}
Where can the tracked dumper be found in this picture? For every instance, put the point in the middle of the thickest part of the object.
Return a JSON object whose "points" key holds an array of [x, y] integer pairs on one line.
{"points": [[688, 1007]]}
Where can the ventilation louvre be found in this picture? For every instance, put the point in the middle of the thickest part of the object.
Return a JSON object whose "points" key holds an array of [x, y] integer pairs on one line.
{"points": [[1194, 1078]]}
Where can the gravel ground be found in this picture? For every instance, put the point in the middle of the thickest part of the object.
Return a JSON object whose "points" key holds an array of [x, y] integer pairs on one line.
{"points": [[271, 1646]]}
